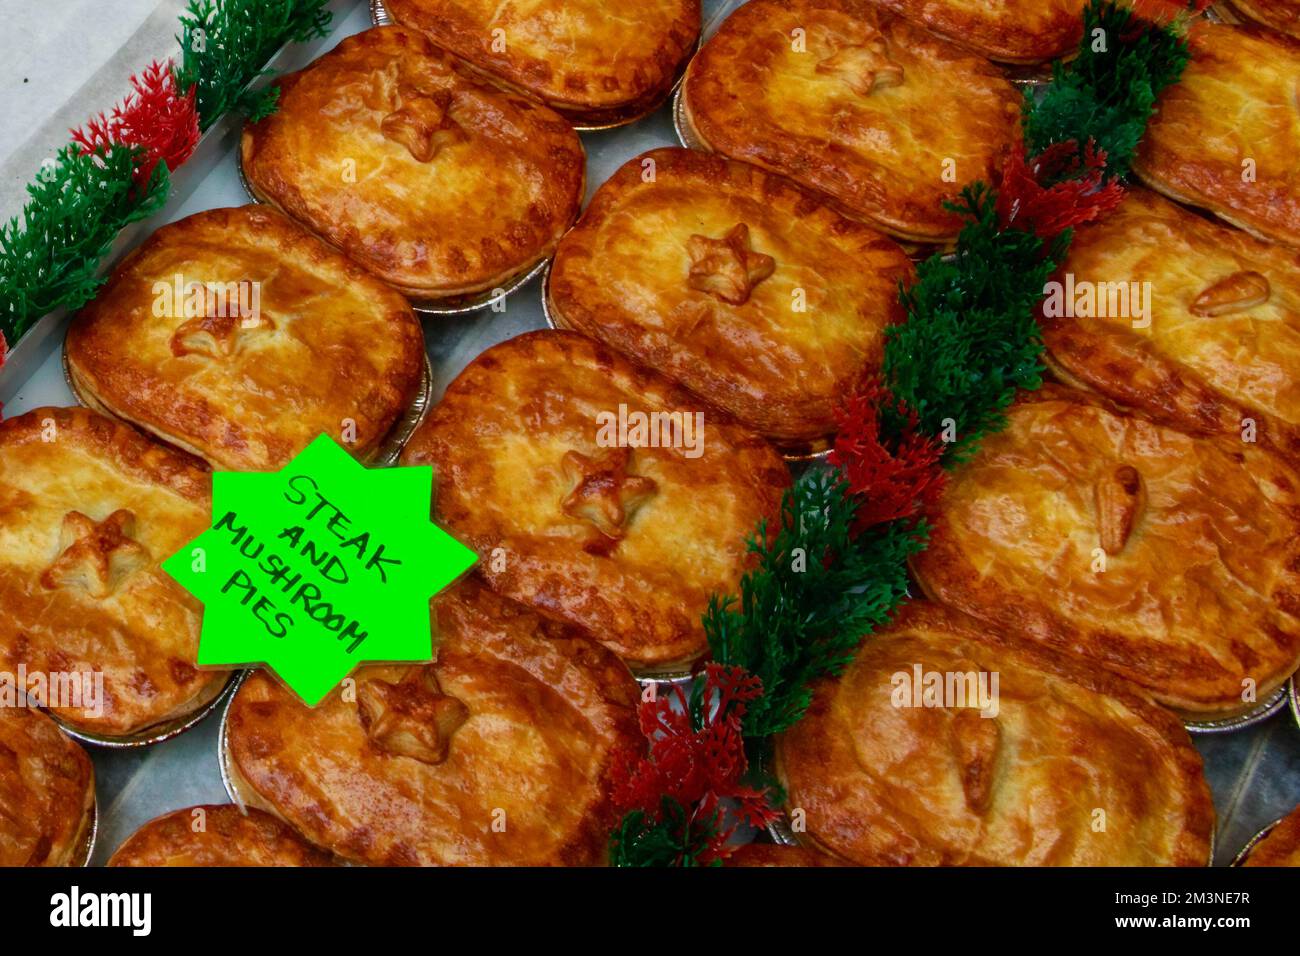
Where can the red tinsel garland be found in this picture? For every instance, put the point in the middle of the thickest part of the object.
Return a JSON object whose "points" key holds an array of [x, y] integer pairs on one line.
{"points": [[156, 117], [1056, 190], [1167, 11], [697, 765], [895, 479]]}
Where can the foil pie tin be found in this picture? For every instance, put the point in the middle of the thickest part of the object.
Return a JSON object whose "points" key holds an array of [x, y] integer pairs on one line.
{"points": [[1261, 712], [151, 735], [1293, 692], [1253, 842], [87, 849]]}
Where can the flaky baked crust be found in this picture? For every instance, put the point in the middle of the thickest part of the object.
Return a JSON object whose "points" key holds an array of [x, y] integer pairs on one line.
{"points": [[627, 543], [1283, 15], [773, 855], [1199, 598], [1282, 845], [88, 510], [1049, 780], [1225, 136], [591, 63], [47, 791], [331, 343], [779, 353], [841, 117], [217, 835], [1222, 349], [527, 776], [1010, 31], [435, 181]]}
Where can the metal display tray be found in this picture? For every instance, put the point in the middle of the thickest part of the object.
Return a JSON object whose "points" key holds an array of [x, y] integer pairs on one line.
{"points": [[1254, 772]]}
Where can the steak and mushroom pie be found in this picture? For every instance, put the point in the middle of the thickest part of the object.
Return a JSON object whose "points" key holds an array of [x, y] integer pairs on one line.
{"points": [[239, 337], [47, 792], [1225, 137], [598, 493], [1281, 15], [749, 290], [1280, 846], [1194, 324], [498, 753], [89, 508], [857, 103], [218, 835], [1010, 31], [594, 64], [1171, 560], [947, 742], [437, 182], [773, 855]]}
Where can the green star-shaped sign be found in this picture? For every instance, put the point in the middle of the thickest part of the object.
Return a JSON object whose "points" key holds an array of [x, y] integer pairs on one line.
{"points": [[319, 567]]}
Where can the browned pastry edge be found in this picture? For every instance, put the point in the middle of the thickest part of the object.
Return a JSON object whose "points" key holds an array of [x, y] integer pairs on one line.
{"points": [[225, 842], [1280, 846]]}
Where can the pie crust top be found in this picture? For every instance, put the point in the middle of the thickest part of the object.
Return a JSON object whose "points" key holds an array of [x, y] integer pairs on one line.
{"points": [[1225, 137], [1283, 15], [47, 791], [436, 181], [297, 341], [589, 61], [585, 524], [891, 771], [1011, 31], [497, 754], [1282, 845], [1173, 561], [1218, 348], [749, 290], [88, 510], [886, 118], [217, 835], [773, 855]]}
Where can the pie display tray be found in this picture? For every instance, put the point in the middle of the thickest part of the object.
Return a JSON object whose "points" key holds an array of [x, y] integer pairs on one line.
{"points": [[1253, 772]]}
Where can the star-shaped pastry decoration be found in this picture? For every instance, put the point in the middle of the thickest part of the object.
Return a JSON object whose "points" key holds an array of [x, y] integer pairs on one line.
{"points": [[727, 268], [96, 556], [421, 123], [602, 492], [412, 718], [864, 67], [216, 336]]}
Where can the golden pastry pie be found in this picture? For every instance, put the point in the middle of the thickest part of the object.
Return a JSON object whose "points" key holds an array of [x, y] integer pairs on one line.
{"points": [[598, 493], [749, 290], [1280, 847], [772, 855], [947, 742], [497, 754], [1195, 324], [1226, 136], [1283, 15], [88, 510], [237, 336], [218, 835], [47, 792], [435, 181], [1174, 561], [592, 63], [887, 119], [1011, 31]]}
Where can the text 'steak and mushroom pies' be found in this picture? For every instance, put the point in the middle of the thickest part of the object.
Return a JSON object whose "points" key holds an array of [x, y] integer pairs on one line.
{"points": [[436, 181], [751, 291], [47, 792], [1283, 15], [497, 754], [1226, 136], [593, 62], [886, 118], [239, 337], [1010, 31], [88, 510], [1280, 847], [219, 835], [1192, 323], [947, 742], [597, 492], [1172, 560]]}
